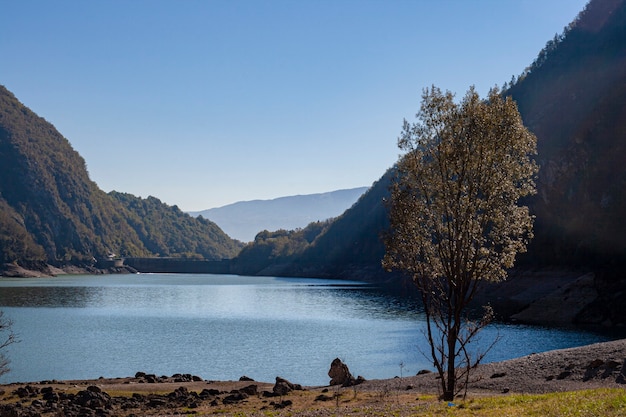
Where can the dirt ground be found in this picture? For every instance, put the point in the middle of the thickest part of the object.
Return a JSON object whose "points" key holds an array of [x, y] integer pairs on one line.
{"points": [[592, 366]]}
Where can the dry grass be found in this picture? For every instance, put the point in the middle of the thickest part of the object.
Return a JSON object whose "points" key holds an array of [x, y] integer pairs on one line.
{"points": [[598, 402], [610, 402]]}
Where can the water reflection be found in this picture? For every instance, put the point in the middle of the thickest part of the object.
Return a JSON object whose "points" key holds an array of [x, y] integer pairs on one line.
{"points": [[50, 296], [222, 327]]}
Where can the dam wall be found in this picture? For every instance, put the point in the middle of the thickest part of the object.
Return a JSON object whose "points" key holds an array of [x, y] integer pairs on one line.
{"points": [[178, 265]]}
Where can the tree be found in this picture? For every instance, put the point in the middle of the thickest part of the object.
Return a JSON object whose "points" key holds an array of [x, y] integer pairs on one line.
{"points": [[454, 215], [5, 328]]}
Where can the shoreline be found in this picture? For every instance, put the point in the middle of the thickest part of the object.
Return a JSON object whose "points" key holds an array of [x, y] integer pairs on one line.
{"points": [[599, 365], [546, 297]]}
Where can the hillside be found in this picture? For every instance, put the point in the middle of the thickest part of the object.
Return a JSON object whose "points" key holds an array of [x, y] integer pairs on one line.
{"points": [[167, 231], [573, 97], [50, 210], [348, 246], [244, 219]]}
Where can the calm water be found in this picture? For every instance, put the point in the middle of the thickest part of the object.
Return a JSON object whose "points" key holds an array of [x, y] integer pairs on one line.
{"points": [[222, 327]]}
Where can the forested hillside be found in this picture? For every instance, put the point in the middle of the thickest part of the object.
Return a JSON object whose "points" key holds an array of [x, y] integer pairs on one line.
{"points": [[349, 246], [50, 211], [167, 231], [573, 97]]}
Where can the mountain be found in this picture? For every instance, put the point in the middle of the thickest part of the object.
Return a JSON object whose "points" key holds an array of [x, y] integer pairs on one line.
{"points": [[346, 247], [167, 231], [50, 210], [244, 219], [573, 98]]}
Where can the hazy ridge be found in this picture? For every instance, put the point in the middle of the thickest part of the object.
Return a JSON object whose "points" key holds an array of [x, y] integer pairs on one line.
{"points": [[244, 219]]}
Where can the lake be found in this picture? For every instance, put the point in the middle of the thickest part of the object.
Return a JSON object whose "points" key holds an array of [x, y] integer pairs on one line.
{"points": [[221, 327]]}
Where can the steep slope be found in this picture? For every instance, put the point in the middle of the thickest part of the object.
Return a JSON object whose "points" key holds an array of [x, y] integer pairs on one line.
{"points": [[45, 185], [351, 246], [574, 99], [244, 219], [347, 247], [51, 211], [167, 231]]}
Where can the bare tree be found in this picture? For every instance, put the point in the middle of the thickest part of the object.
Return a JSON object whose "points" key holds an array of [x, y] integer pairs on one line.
{"points": [[454, 214], [8, 337]]}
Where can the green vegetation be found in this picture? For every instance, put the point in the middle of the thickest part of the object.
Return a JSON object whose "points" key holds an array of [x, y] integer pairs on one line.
{"points": [[599, 402], [167, 231], [277, 248], [50, 211], [344, 247]]}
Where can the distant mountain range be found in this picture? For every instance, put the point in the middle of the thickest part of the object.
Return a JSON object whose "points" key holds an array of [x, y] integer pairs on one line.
{"points": [[244, 219]]}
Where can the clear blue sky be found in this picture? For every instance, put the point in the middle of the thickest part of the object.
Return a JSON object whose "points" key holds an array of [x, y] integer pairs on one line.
{"points": [[202, 103]]}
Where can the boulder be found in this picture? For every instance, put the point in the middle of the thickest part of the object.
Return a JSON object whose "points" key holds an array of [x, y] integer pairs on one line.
{"points": [[250, 390], [92, 399], [340, 374], [235, 398], [283, 387]]}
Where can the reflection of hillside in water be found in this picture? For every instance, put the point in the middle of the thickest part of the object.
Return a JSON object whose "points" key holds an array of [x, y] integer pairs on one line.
{"points": [[374, 303], [50, 296]]}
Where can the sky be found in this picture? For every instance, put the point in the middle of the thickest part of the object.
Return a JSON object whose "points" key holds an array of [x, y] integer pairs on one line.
{"points": [[202, 103]]}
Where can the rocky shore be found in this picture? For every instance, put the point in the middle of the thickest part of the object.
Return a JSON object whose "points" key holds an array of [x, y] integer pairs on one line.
{"points": [[44, 270], [599, 365]]}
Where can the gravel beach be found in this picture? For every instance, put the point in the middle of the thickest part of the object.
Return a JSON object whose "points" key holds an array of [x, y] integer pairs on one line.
{"points": [[594, 366]]}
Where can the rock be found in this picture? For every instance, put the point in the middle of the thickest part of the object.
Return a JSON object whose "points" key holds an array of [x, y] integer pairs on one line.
{"points": [[282, 404], [498, 375], [563, 375], [157, 402], [209, 393], [564, 305], [359, 380], [49, 395], [179, 393], [246, 378], [91, 399], [595, 364], [283, 387], [235, 398], [27, 391], [280, 388], [250, 390], [151, 378], [621, 378], [339, 373]]}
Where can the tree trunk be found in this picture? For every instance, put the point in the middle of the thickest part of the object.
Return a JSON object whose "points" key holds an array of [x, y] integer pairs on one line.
{"points": [[448, 394]]}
